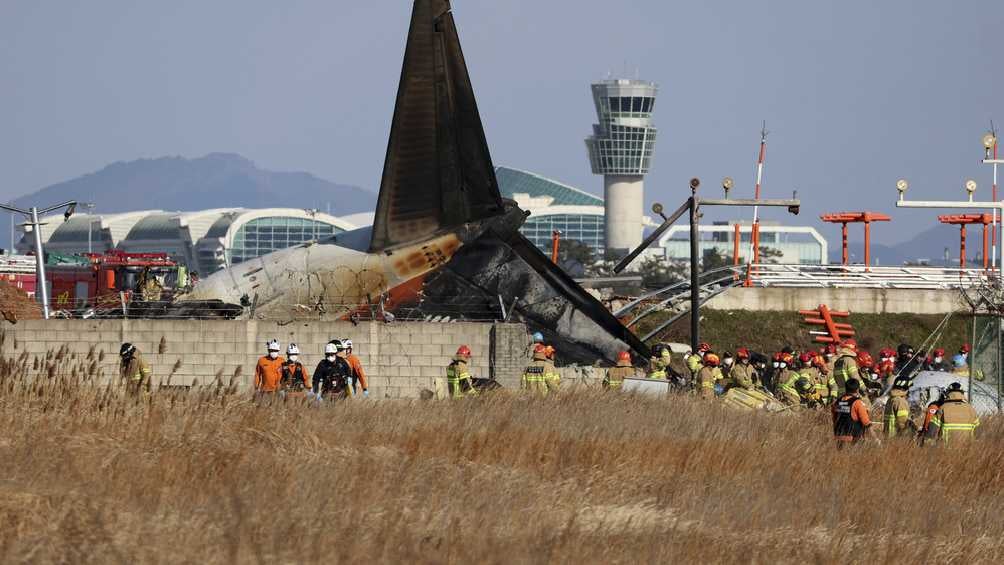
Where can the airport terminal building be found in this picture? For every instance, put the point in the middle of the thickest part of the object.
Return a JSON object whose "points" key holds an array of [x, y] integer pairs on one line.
{"points": [[205, 241]]}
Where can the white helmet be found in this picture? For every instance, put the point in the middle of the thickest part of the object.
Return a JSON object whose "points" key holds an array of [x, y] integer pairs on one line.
{"points": [[273, 345], [347, 343], [292, 349], [330, 349]]}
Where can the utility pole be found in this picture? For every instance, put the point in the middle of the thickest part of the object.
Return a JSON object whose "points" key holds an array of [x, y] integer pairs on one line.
{"points": [[32, 214], [693, 205], [89, 206]]}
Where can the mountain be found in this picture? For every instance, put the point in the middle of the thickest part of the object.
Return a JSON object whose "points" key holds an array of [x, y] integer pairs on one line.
{"points": [[928, 245], [218, 180]]}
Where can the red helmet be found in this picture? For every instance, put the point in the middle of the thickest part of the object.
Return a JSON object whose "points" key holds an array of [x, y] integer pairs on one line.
{"points": [[540, 348], [464, 351], [742, 353], [624, 356], [865, 359], [850, 343], [939, 352], [886, 352], [805, 357], [712, 360], [777, 356], [966, 348], [703, 347], [830, 349]]}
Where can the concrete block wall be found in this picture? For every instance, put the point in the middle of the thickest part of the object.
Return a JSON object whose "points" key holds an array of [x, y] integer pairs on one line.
{"points": [[401, 359], [855, 300]]}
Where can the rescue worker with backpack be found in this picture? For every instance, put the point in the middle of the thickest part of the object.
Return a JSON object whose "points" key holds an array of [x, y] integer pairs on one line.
{"points": [[458, 375], [333, 377], [539, 372], [845, 367], [294, 377], [356, 364], [956, 420], [134, 371], [615, 376], [850, 416], [268, 370], [787, 387]]}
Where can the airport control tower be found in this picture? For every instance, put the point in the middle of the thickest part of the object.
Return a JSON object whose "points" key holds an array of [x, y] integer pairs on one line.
{"points": [[620, 149]]}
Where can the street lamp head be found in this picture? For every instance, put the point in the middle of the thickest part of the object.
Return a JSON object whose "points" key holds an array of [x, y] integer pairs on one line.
{"points": [[694, 183], [901, 186], [794, 210], [971, 188], [727, 184], [657, 209], [69, 211], [989, 140]]}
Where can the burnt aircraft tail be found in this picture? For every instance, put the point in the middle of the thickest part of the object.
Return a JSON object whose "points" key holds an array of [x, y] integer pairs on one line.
{"points": [[437, 173]]}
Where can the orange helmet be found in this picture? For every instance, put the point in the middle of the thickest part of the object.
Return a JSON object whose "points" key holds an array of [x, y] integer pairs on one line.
{"points": [[464, 351], [540, 348], [865, 359], [742, 353], [851, 344], [549, 351], [788, 358], [712, 360], [624, 356]]}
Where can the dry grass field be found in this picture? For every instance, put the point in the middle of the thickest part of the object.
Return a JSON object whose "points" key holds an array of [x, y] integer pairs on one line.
{"points": [[91, 476]]}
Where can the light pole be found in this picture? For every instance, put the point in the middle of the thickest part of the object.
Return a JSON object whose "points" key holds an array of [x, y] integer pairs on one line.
{"points": [[41, 292], [693, 205], [990, 157], [90, 223]]}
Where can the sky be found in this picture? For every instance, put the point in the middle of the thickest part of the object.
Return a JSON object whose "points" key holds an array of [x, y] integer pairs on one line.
{"points": [[855, 93]]}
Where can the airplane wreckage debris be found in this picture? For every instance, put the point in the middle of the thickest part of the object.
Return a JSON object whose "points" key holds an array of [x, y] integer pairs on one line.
{"points": [[444, 243]]}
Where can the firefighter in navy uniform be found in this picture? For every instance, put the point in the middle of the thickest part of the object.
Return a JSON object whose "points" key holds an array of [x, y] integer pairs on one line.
{"points": [[333, 376], [850, 416]]}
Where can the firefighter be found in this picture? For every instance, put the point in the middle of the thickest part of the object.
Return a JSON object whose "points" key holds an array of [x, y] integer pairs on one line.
{"points": [[907, 362], [614, 379], [869, 378], [825, 384], [358, 375], [924, 430], [536, 374], [886, 366], [787, 388], [785, 369], [959, 365], [134, 371], [458, 374], [708, 376], [845, 367], [333, 377], [658, 364], [551, 379], [897, 413], [830, 354], [695, 360], [850, 416], [808, 396], [956, 420], [268, 371], [294, 376], [743, 374]]}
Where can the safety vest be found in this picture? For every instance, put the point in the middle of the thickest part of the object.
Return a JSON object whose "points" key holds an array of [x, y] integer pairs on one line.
{"points": [[844, 425], [537, 375], [458, 378]]}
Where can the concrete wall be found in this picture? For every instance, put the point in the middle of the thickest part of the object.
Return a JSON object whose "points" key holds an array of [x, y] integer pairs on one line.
{"points": [[857, 300], [401, 359]]}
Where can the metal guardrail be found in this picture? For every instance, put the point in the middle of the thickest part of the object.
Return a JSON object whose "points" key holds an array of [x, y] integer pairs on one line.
{"points": [[859, 276]]}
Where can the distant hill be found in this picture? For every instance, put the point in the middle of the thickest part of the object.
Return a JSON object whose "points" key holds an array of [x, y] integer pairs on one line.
{"points": [[929, 244], [218, 180]]}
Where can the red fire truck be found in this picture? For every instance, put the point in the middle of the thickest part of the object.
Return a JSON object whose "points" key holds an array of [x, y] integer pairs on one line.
{"points": [[108, 280]]}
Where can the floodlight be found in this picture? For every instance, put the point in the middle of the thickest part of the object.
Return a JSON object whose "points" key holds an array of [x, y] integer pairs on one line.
{"points": [[728, 183], [989, 140], [970, 186]]}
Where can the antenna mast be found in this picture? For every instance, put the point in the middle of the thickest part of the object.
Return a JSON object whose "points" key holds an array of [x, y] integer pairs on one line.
{"points": [[754, 254]]}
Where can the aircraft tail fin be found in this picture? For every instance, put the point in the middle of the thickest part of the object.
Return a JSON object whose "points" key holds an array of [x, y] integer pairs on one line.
{"points": [[438, 172]]}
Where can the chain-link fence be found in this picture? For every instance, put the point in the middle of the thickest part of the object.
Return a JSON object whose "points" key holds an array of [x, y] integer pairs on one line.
{"points": [[986, 358]]}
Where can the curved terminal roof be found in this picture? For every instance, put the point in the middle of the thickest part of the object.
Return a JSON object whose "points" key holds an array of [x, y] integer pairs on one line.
{"points": [[514, 181]]}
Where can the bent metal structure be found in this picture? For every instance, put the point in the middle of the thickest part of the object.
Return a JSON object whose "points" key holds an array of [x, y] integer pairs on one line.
{"points": [[442, 233]]}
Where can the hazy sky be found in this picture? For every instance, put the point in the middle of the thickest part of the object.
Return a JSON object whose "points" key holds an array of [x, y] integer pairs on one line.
{"points": [[855, 93]]}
